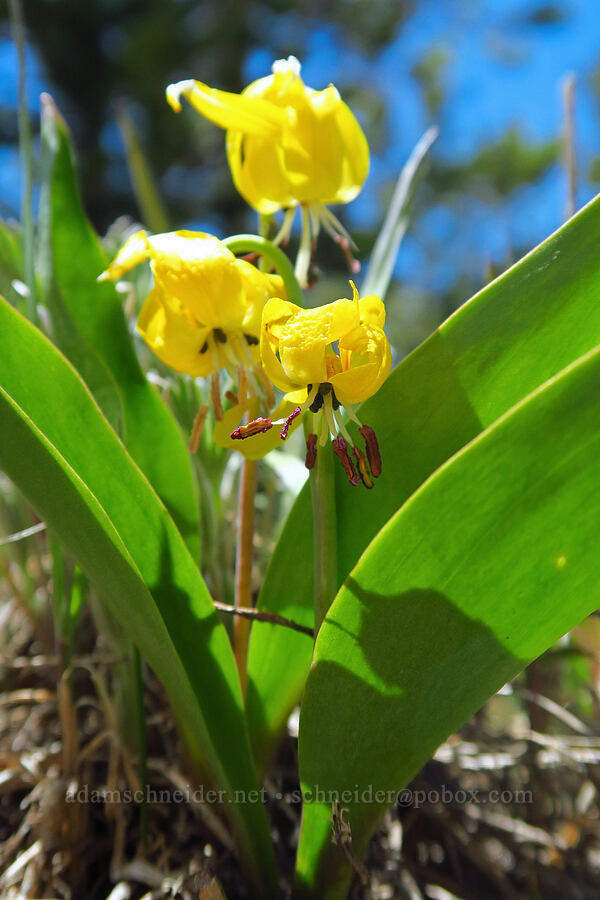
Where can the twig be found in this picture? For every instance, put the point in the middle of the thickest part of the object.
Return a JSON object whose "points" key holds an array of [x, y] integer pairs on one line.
{"points": [[261, 615], [25, 533]]}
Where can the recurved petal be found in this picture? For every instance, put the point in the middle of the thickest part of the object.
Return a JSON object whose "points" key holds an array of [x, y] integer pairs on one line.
{"points": [[371, 361], [133, 252], [372, 310], [270, 363], [250, 115], [196, 271], [258, 445], [173, 338], [355, 153], [259, 287]]}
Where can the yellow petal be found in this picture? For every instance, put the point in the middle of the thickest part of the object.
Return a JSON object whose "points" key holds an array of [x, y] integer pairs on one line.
{"points": [[275, 314], [321, 155], [172, 337], [306, 337], [372, 310], [371, 362], [202, 275], [259, 287], [260, 444], [249, 115], [133, 252]]}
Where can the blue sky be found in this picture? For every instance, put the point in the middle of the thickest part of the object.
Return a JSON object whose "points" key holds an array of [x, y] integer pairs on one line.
{"points": [[501, 71]]}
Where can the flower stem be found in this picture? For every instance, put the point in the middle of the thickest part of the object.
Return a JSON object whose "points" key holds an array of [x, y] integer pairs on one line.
{"points": [[252, 243], [324, 533], [243, 565]]}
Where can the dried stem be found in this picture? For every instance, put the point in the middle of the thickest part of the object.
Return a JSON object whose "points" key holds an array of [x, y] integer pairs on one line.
{"points": [[261, 615]]}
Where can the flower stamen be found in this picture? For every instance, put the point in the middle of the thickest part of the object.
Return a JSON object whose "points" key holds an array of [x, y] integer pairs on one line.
{"points": [[197, 428], [269, 392], [242, 374], [311, 451], [373, 454], [215, 395], [328, 409], [361, 465], [284, 431], [257, 426], [341, 450]]}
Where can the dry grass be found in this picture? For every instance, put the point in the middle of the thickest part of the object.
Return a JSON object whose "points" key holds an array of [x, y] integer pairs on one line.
{"points": [[59, 735]]}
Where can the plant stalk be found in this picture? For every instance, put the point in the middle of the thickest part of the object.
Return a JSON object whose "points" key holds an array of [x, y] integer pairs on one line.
{"points": [[243, 565], [252, 243], [324, 532]]}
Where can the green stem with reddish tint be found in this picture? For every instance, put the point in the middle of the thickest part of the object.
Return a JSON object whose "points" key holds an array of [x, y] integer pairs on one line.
{"points": [[244, 558], [322, 487]]}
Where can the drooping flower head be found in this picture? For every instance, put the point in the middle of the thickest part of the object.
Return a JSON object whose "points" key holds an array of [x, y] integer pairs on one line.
{"points": [[204, 312], [326, 358], [287, 145]]}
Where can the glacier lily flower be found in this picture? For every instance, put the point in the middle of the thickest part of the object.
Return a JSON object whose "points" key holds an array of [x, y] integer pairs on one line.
{"points": [[288, 146], [204, 312], [299, 355]]}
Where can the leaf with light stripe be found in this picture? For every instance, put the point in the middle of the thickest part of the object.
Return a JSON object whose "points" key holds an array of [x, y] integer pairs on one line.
{"points": [[485, 567], [517, 332], [60, 451]]}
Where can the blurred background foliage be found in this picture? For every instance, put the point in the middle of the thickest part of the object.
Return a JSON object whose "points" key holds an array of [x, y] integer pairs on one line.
{"points": [[488, 72]]}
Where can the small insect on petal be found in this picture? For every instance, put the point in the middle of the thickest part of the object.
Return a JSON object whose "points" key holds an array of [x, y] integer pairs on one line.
{"points": [[373, 454], [258, 426], [311, 451], [284, 431], [341, 449]]}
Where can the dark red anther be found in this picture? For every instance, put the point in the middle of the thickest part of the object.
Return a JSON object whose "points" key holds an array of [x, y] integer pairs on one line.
{"points": [[341, 449], [311, 451], [372, 450], [284, 431], [361, 465], [258, 426], [352, 262]]}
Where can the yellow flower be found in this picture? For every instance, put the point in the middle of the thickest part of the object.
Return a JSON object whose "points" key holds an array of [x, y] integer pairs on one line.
{"points": [[299, 355], [287, 144], [204, 312]]}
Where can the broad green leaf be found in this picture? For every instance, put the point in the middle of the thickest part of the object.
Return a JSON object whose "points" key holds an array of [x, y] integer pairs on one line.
{"points": [[486, 566], [511, 337], [91, 316], [63, 455]]}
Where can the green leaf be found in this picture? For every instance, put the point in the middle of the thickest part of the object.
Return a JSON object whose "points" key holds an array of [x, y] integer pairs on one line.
{"points": [[511, 337], [11, 260], [87, 314], [487, 565], [60, 451], [149, 201], [385, 251]]}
